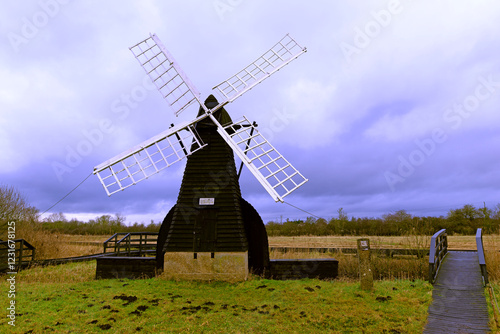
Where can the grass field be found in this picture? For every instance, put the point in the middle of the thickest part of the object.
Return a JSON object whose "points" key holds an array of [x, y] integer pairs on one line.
{"points": [[66, 298], [464, 242]]}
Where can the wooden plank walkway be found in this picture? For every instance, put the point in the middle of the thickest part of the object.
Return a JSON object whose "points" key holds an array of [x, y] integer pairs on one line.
{"points": [[458, 300]]}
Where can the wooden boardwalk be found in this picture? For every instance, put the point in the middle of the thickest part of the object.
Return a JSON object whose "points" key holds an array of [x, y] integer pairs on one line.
{"points": [[458, 300]]}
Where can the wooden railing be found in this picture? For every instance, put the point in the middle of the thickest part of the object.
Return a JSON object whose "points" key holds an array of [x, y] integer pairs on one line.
{"points": [[133, 243], [480, 255], [438, 250], [14, 254]]}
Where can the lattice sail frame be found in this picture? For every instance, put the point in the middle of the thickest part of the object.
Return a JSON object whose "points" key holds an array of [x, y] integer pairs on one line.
{"points": [[281, 54], [148, 158], [163, 70], [269, 167]]}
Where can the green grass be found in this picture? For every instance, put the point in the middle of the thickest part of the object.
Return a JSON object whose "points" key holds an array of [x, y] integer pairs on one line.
{"points": [[65, 299], [492, 305]]}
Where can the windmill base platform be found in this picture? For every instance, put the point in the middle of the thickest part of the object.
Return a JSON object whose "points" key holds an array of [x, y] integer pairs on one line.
{"points": [[228, 266], [223, 266]]}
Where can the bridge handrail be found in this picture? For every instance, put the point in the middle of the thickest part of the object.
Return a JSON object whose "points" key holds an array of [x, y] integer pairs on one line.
{"points": [[127, 242], [437, 252], [480, 255], [112, 239], [19, 252]]}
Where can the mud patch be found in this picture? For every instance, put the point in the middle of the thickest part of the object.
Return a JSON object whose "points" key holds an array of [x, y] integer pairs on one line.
{"points": [[127, 299], [383, 299], [104, 327]]}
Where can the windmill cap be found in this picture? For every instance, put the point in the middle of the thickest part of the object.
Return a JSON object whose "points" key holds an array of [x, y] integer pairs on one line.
{"points": [[221, 115], [211, 102]]}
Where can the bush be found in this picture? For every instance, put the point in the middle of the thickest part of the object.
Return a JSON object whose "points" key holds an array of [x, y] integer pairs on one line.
{"points": [[13, 207]]}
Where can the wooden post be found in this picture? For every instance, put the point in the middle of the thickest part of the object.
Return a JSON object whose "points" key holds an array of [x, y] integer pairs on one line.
{"points": [[365, 272], [20, 263]]}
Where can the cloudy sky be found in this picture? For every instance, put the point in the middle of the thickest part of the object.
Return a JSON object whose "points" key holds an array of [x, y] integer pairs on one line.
{"points": [[395, 105]]}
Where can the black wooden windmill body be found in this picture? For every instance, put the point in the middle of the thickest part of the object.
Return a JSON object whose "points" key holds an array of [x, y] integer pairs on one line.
{"points": [[210, 215]]}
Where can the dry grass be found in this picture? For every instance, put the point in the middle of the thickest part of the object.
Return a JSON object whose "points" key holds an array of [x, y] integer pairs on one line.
{"points": [[492, 256], [68, 273], [85, 238], [401, 267], [50, 245], [407, 241], [53, 245]]}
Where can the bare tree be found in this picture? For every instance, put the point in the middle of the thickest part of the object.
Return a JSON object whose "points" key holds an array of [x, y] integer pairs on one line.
{"points": [[13, 206]]}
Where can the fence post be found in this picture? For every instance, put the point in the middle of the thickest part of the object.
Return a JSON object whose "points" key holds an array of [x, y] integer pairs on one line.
{"points": [[21, 244], [129, 237], [140, 244], [365, 272]]}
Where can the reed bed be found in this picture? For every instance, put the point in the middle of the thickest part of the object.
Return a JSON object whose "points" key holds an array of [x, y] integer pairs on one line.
{"points": [[492, 256], [397, 267], [54, 245], [51, 245]]}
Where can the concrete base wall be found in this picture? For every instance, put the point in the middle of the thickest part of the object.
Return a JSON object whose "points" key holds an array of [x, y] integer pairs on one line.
{"points": [[229, 266]]}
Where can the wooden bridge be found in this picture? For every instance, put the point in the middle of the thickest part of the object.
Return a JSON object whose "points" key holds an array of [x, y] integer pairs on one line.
{"points": [[459, 303]]}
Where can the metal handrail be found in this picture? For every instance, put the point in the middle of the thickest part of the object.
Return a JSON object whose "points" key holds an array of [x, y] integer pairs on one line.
{"points": [[480, 255], [438, 250]]}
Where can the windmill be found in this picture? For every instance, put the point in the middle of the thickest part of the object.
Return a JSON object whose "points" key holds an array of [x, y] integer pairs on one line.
{"points": [[210, 218]]}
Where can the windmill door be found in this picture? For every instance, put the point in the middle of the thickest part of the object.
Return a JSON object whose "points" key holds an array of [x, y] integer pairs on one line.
{"points": [[205, 230]]}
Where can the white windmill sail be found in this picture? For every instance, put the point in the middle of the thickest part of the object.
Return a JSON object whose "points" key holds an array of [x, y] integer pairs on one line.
{"points": [[148, 158], [281, 54], [165, 73], [271, 169]]}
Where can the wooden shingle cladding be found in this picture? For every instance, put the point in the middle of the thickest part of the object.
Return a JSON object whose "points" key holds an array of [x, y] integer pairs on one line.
{"points": [[210, 174]]}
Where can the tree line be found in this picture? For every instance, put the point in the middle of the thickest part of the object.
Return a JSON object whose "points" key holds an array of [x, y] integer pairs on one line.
{"points": [[103, 225], [465, 220]]}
